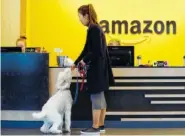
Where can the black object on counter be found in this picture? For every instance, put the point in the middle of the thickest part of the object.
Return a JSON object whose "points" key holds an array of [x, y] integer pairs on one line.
{"points": [[121, 55], [11, 49]]}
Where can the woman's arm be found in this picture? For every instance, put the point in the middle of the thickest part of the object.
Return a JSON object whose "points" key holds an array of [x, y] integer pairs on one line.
{"points": [[138, 41], [81, 55], [94, 38]]}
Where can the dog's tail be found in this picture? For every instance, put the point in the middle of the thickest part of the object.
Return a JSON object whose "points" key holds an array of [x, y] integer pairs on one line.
{"points": [[39, 115]]}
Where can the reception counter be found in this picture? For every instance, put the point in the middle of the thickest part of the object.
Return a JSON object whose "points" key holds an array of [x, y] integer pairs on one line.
{"points": [[140, 94], [141, 98]]}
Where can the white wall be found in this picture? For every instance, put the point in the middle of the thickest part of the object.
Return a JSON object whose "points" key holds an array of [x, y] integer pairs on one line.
{"points": [[10, 25]]}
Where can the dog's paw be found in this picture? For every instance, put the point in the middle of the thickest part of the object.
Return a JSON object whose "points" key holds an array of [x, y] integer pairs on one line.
{"points": [[44, 130], [57, 131]]}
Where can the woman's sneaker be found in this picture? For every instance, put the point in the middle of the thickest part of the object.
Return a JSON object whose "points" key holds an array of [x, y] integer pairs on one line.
{"points": [[90, 131], [102, 129]]}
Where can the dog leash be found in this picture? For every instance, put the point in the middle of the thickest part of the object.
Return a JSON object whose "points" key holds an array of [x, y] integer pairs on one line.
{"points": [[82, 70]]}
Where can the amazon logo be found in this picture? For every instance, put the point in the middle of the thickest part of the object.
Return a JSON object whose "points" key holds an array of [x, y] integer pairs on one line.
{"points": [[139, 27]]}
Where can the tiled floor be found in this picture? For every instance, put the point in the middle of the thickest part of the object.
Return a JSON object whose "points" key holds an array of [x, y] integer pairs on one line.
{"points": [[108, 132]]}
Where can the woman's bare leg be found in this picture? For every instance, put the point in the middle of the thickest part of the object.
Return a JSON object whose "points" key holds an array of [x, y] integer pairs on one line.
{"points": [[96, 118], [102, 117]]}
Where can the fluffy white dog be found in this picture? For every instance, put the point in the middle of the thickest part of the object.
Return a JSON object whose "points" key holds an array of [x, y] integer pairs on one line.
{"points": [[58, 106]]}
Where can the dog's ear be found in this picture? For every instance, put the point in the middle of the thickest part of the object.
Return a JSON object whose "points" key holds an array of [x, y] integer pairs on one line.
{"points": [[67, 73], [67, 70], [61, 75]]}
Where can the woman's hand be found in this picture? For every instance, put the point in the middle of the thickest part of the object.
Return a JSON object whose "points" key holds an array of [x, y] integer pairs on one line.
{"points": [[82, 62], [73, 67]]}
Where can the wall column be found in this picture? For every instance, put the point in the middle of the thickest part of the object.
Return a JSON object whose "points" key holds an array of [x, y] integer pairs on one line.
{"points": [[10, 25]]}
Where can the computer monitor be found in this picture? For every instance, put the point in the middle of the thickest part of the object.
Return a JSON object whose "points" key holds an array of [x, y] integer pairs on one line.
{"points": [[121, 55], [11, 49]]}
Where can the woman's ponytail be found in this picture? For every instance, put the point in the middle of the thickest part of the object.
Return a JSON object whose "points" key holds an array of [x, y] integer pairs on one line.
{"points": [[92, 15]]}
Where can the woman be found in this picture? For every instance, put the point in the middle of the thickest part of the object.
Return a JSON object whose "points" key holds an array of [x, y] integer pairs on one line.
{"points": [[114, 42], [99, 74]]}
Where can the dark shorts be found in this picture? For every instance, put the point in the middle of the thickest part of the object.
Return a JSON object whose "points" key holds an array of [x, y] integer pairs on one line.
{"points": [[98, 101]]}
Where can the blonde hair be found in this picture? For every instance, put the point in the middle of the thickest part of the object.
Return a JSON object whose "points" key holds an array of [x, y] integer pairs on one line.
{"points": [[21, 38], [114, 42]]}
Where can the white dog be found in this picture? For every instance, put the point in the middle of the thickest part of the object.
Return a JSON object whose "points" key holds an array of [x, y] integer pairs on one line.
{"points": [[58, 106]]}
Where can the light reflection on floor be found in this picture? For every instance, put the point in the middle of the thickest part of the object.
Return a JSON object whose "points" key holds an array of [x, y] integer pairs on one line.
{"points": [[108, 132]]}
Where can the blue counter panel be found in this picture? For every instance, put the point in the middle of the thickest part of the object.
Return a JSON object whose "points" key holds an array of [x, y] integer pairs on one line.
{"points": [[24, 80]]}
